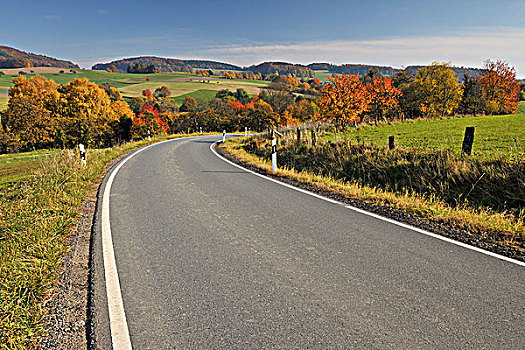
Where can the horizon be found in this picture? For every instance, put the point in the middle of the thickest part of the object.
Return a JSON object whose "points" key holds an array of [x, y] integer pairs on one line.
{"points": [[246, 33]]}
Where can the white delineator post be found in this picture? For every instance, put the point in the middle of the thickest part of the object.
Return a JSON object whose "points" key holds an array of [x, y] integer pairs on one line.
{"points": [[274, 155], [149, 136], [245, 131], [201, 130], [223, 136], [82, 153]]}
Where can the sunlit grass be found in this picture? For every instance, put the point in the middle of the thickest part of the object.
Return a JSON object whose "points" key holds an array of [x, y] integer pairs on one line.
{"points": [[38, 209]]}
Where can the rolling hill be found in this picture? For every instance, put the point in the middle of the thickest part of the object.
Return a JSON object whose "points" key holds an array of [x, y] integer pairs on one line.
{"points": [[14, 58], [166, 65]]}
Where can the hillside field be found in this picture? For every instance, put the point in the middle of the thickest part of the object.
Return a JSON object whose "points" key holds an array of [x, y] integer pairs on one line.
{"points": [[494, 135], [132, 85]]}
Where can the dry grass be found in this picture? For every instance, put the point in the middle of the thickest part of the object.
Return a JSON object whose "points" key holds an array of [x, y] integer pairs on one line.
{"points": [[500, 227]]}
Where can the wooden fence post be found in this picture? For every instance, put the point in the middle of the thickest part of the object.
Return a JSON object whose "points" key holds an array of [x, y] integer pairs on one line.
{"points": [[391, 142], [468, 140]]}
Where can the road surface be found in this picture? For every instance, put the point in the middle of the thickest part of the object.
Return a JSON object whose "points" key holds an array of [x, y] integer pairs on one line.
{"points": [[212, 257]]}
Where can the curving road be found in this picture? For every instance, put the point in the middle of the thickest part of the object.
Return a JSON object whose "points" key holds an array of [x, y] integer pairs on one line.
{"points": [[212, 257]]}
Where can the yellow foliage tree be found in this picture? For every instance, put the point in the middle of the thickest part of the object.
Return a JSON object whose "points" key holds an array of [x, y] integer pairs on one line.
{"points": [[29, 118], [86, 114], [439, 89]]}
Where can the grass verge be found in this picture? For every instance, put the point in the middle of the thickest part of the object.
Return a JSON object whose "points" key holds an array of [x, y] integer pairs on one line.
{"points": [[478, 224], [37, 215]]}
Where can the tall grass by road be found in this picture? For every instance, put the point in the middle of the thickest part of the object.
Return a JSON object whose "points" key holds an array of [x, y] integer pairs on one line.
{"points": [[483, 194], [40, 197]]}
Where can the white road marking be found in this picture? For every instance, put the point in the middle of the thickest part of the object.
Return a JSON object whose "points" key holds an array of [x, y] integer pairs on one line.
{"points": [[413, 228], [117, 317]]}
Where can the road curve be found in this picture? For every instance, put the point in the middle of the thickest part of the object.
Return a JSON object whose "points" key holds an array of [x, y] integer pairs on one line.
{"points": [[212, 257]]}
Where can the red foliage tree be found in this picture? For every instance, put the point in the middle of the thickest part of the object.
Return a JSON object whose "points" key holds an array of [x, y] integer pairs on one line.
{"points": [[499, 88]]}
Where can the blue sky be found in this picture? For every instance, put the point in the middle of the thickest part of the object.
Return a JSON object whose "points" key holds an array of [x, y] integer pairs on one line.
{"points": [[397, 33]]}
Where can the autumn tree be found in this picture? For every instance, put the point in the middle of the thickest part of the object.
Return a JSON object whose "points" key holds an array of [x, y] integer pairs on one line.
{"points": [[113, 94], [188, 104], [499, 88], [148, 120], [383, 98], [162, 92], [303, 110], [87, 115], [278, 99], [30, 116], [343, 100], [439, 88]]}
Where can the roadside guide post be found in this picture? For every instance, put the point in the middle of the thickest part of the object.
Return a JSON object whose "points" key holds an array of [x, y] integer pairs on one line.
{"points": [[82, 153], [223, 136], [149, 136], [245, 131], [274, 155]]}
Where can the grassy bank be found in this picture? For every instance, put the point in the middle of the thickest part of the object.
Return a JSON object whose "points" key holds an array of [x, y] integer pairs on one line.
{"points": [[484, 198], [40, 196]]}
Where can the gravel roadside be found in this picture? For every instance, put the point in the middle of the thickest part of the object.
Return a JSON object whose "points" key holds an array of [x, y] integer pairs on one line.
{"points": [[68, 322]]}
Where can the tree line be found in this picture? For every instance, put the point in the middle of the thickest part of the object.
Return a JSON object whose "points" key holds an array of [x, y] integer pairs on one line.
{"points": [[43, 114]]}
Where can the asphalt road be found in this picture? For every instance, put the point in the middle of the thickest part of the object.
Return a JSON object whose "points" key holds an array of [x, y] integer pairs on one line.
{"points": [[212, 257]]}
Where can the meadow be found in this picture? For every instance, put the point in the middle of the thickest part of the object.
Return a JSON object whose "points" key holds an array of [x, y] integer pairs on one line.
{"points": [[132, 85], [494, 135]]}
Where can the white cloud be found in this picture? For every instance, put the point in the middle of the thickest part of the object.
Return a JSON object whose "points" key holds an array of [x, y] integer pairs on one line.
{"points": [[467, 48]]}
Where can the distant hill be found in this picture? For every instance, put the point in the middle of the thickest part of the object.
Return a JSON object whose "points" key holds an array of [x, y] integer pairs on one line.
{"points": [[319, 66], [202, 64], [13, 58], [165, 64], [283, 68], [363, 69]]}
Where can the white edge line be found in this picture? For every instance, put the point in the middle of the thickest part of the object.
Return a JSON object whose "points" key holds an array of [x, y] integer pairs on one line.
{"points": [[117, 317], [410, 227]]}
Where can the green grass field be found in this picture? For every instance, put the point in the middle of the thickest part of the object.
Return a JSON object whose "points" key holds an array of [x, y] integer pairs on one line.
{"points": [[19, 166], [132, 85], [322, 75], [200, 94], [494, 135], [521, 108]]}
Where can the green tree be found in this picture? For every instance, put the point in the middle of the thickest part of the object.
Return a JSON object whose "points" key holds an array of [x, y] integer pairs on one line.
{"points": [[472, 101]]}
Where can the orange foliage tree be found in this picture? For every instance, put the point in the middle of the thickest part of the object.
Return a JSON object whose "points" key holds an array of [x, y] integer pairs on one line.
{"points": [[343, 100], [499, 88], [383, 98]]}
